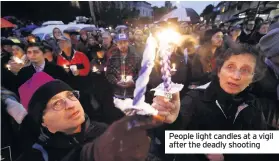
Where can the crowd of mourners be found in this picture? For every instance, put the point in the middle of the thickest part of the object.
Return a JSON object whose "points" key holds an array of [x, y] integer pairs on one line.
{"points": [[57, 94]]}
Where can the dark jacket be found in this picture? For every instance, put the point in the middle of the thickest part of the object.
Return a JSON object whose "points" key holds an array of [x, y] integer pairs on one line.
{"points": [[61, 147], [118, 65], [53, 70], [82, 46], [255, 38], [244, 38], [181, 76], [213, 109], [8, 79]]}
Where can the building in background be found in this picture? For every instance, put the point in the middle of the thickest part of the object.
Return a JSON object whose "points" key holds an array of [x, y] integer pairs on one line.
{"points": [[238, 11], [144, 8]]}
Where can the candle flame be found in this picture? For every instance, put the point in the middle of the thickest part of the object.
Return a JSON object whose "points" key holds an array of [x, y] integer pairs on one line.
{"points": [[169, 36], [8, 66], [65, 66]]}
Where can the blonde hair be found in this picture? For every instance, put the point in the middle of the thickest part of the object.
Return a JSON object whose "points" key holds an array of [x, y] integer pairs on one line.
{"points": [[19, 48]]}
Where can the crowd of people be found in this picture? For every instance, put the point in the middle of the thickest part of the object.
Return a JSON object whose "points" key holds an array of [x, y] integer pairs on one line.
{"points": [[57, 94]]}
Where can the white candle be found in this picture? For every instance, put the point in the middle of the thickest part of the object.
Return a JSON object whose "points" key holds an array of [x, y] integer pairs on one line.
{"points": [[8, 66], [146, 69], [173, 67], [65, 66], [94, 69], [17, 60], [129, 78]]}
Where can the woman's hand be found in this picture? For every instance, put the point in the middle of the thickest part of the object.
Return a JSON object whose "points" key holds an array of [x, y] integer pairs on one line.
{"points": [[167, 108]]}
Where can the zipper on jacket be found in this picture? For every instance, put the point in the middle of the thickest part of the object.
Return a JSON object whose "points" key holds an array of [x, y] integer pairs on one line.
{"points": [[217, 103]]}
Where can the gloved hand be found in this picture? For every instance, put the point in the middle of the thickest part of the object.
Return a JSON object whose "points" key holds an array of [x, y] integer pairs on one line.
{"points": [[125, 140], [15, 109]]}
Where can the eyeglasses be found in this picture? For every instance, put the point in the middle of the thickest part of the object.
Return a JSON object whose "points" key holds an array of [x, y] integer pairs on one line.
{"points": [[243, 72], [60, 104]]}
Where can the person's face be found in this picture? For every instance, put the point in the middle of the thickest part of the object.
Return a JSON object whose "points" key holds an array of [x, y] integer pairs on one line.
{"points": [[17, 51], [138, 36], [48, 55], [8, 48], [57, 33], [73, 37], [91, 41], [84, 37], [123, 46], [35, 55], [217, 39], [250, 26], [237, 73], [264, 29], [236, 33], [63, 113], [107, 41], [64, 44]]}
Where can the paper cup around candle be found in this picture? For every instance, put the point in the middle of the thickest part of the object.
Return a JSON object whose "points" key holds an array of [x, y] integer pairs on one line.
{"points": [[73, 68], [129, 78], [105, 69]]}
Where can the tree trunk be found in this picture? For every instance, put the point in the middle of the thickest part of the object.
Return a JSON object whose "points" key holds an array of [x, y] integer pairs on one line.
{"points": [[92, 12]]}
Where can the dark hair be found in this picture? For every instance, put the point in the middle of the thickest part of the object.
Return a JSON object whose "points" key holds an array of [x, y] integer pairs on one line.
{"points": [[208, 35], [239, 50], [39, 45]]}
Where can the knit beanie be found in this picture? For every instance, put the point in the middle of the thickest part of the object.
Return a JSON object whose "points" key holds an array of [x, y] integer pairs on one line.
{"points": [[269, 43], [38, 92]]}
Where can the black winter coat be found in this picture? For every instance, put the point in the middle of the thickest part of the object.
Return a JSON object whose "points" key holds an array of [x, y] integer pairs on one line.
{"points": [[213, 109], [51, 69], [61, 147]]}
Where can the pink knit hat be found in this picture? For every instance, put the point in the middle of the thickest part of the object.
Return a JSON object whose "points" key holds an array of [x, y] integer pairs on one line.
{"points": [[27, 89]]}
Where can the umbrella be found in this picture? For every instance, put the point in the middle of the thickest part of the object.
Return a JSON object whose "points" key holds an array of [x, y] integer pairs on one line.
{"points": [[182, 14], [29, 28], [89, 29], [6, 24], [121, 27], [72, 30]]}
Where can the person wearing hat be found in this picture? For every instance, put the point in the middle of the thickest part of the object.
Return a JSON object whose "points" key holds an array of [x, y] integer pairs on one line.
{"points": [[35, 54], [230, 40], [138, 42], [81, 46], [108, 44], [62, 131], [204, 60], [123, 62]]}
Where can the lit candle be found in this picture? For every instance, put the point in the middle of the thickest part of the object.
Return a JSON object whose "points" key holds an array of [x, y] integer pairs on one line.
{"points": [[17, 60], [173, 67], [166, 38], [123, 79], [8, 66], [95, 69], [65, 66], [105, 69]]}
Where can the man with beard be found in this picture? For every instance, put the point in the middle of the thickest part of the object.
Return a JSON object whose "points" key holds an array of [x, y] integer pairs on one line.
{"points": [[108, 44], [123, 68], [247, 31]]}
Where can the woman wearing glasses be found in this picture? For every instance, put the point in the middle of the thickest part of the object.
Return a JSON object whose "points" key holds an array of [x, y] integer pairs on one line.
{"points": [[222, 104]]}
